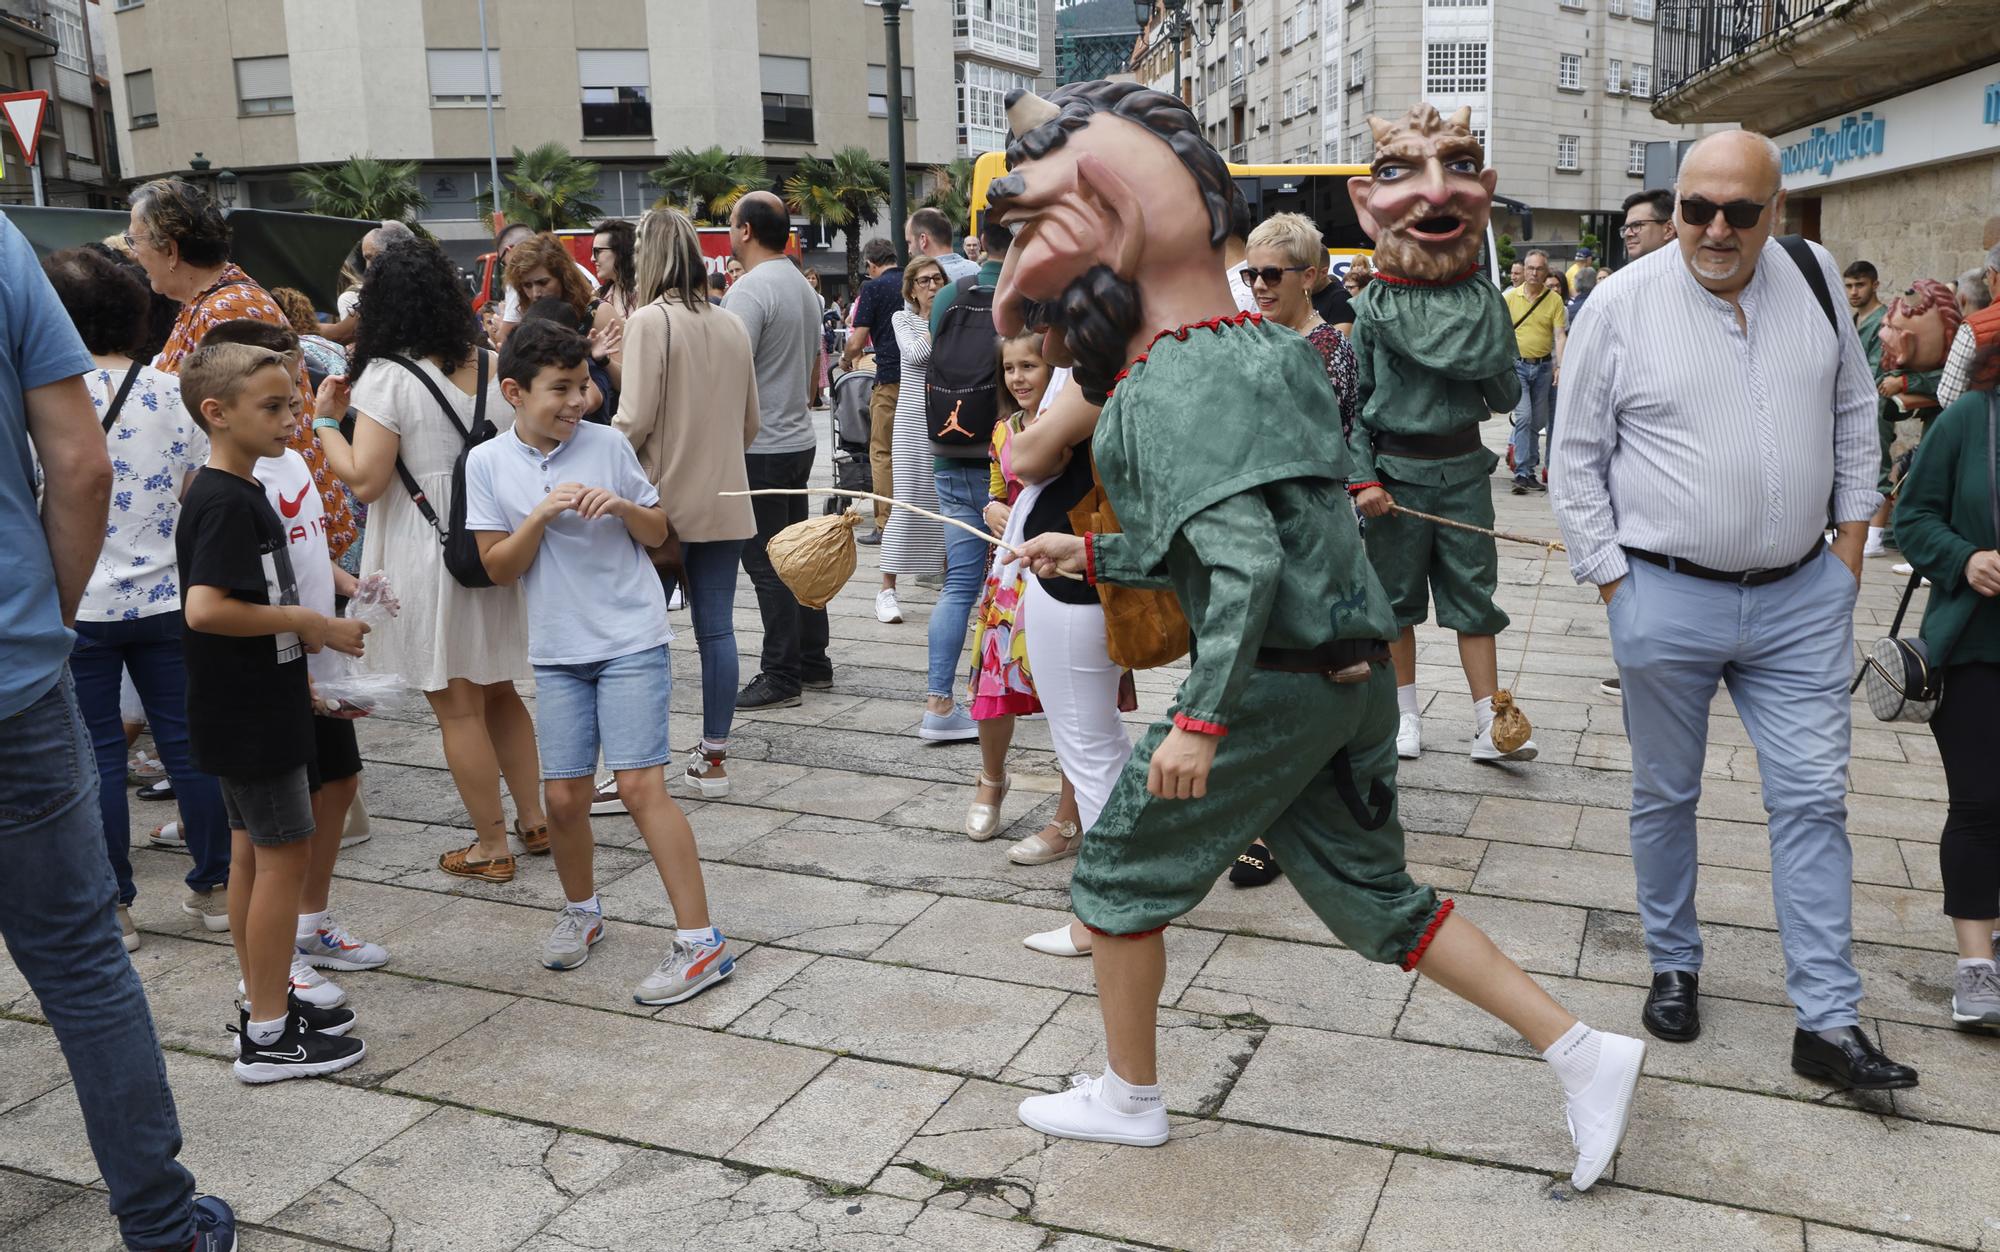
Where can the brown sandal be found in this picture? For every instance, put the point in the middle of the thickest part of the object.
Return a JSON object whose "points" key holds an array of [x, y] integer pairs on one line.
{"points": [[535, 840], [459, 864]]}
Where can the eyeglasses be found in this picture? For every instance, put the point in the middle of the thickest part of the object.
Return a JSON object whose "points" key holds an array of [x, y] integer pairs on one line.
{"points": [[132, 240], [1633, 228], [1740, 214], [931, 280], [1271, 274], [602, 251]]}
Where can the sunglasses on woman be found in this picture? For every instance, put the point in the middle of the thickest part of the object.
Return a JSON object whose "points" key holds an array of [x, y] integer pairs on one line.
{"points": [[1271, 274], [1740, 214]]}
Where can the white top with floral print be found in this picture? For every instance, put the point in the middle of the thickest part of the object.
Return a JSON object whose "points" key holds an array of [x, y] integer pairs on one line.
{"points": [[154, 445]]}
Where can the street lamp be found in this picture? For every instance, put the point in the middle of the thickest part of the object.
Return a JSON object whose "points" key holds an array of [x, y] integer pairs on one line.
{"points": [[892, 32], [225, 188], [1180, 24]]}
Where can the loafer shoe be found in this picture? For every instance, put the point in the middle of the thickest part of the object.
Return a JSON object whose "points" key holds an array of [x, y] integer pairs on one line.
{"points": [[1599, 1114], [1081, 1113], [1255, 867], [1673, 1008], [1849, 1059], [1055, 942]]}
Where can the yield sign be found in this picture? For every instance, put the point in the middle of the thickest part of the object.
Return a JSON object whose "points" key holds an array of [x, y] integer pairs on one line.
{"points": [[24, 111]]}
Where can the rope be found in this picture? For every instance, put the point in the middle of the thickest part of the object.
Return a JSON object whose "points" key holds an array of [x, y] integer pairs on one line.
{"points": [[1549, 548], [1008, 548]]}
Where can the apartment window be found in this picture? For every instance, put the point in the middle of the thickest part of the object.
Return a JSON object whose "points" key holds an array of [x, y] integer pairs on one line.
{"points": [[1642, 10], [69, 35], [1615, 8], [787, 87], [1263, 45], [128, 4], [1357, 68], [458, 77], [139, 99], [1239, 58], [264, 85], [1573, 4], [1286, 38], [1566, 147], [1011, 26], [1642, 80], [982, 105], [1614, 76], [79, 135], [878, 91], [1569, 71], [617, 92], [1635, 159], [1312, 94], [1479, 134], [1457, 4], [1454, 68], [1262, 113]]}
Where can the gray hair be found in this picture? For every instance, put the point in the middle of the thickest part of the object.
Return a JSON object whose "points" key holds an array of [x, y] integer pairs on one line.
{"points": [[1533, 252], [388, 234], [1973, 292], [1586, 280]]}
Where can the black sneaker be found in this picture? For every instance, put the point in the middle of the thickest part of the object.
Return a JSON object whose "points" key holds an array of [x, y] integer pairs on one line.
{"points": [[1255, 868], [763, 693], [214, 1225], [322, 1021], [297, 1053], [1520, 487], [818, 682]]}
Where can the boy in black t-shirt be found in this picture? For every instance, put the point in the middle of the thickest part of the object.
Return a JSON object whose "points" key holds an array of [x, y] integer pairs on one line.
{"points": [[249, 711]]}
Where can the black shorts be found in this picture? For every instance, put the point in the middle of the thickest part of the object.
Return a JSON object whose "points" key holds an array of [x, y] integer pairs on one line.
{"points": [[339, 755]]}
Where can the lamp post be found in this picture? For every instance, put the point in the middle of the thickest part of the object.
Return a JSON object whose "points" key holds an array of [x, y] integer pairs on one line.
{"points": [[1180, 24], [892, 32], [225, 188]]}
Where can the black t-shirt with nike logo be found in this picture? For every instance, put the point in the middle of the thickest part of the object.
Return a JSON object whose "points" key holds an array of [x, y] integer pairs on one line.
{"points": [[249, 707]]}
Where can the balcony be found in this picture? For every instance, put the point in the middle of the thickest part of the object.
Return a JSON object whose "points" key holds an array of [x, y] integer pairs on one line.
{"points": [[1783, 63]]}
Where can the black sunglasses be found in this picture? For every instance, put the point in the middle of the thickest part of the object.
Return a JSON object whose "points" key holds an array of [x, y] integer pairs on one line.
{"points": [[1271, 274], [1740, 214]]}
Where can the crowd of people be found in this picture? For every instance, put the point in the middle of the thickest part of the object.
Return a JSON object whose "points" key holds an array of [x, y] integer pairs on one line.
{"points": [[523, 494]]}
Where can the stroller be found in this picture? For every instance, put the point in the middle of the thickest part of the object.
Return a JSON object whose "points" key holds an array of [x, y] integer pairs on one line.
{"points": [[851, 470]]}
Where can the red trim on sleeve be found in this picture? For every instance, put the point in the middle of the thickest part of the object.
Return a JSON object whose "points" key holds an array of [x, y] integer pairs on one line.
{"points": [[1416, 953], [1089, 558], [1358, 488], [1198, 726]]}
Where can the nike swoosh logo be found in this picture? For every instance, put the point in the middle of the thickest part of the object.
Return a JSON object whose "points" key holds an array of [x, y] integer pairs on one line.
{"points": [[290, 508], [296, 1054]]}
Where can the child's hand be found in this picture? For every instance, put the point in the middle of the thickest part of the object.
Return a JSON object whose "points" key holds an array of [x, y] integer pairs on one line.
{"points": [[596, 502], [343, 634], [560, 500], [997, 514]]}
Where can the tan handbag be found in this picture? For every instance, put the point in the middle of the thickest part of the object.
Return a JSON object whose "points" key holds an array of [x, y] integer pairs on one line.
{"points": [[1143, 629]]}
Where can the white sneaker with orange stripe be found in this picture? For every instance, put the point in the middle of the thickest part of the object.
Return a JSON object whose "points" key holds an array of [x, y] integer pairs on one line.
{"points": [[687, 970]]}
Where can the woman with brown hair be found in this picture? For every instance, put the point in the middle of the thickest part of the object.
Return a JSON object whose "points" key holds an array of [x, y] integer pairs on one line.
{"points": [[540, 267], [911, 543]]}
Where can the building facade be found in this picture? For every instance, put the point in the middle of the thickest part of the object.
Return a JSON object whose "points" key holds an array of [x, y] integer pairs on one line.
{"points": [[1887, 113], [266, 87], [998, 46], [55, 46]]}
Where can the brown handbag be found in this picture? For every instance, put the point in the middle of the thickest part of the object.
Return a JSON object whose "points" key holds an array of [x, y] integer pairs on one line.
{"points": [[1142, 629]]}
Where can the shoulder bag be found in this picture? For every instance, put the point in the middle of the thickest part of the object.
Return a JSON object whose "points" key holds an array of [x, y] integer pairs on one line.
{"points": [[118, 401], [461, 549], [1531, 308], [1903, 684], [1143, 629], [666, 557]]}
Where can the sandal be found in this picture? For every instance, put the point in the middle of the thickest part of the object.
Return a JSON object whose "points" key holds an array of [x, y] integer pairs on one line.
{"points": [[459, 864], [159, 789], [534, 840], [982, 821], [1035, 850]]}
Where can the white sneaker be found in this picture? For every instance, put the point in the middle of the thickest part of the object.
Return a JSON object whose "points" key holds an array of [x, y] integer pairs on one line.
{"points": [[1874, 547], [356, 830], [1483, 749], [1410, 736], [605, 799], [887, 611], [1081, 1113], [309, 985], [1599, 1113], [332, 947]]}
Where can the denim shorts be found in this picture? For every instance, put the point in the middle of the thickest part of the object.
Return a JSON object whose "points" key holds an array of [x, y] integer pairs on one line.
{"points": [[619, 704], [274, 809]]}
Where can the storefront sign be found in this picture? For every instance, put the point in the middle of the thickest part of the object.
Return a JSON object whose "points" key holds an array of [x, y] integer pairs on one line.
{"points": [[1854, 138], [1946, 121]]}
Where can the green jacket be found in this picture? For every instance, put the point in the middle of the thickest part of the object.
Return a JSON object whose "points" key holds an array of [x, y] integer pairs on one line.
{"points": [[1869, 328], [1944, 514], [1221, 454], [1433, 360]]}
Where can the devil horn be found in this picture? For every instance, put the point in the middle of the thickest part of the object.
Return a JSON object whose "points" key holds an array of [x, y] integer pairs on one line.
{"points": [[1462, 119], [1026, 111], [1380, 129]]}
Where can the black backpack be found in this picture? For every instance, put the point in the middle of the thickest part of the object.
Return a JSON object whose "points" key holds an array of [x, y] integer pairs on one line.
{"points": [[461, 549], [961, 390]]}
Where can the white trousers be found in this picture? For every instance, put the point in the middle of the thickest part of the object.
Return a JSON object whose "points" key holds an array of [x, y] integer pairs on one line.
{"points": [[1078, 687]]}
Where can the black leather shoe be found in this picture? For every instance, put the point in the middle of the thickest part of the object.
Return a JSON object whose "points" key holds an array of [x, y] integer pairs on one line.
{"points": [[1849, 1059], [1673, 1009], [1255, 868]]}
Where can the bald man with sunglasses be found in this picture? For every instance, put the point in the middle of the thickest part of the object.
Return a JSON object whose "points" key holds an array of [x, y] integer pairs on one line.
{"points": [[1712, 410]]}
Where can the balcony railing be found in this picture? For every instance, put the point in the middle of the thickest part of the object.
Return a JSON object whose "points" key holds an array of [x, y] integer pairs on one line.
{"points": [[1692, 37]]}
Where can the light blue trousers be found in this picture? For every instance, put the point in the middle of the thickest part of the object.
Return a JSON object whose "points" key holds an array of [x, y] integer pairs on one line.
{"points": [[1785, 652]]}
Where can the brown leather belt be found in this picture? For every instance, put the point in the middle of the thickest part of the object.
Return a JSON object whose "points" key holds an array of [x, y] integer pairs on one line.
{"points": [[1343, 660], [1428, 447]]}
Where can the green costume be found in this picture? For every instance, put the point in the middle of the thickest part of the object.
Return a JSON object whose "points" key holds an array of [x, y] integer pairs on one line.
{"points": [[1887, 411], [1435, 361], [1220, 450]]}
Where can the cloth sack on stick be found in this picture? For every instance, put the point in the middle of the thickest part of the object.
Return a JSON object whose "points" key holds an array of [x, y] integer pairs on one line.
{"points": [[1510, 724], [816, 557]]}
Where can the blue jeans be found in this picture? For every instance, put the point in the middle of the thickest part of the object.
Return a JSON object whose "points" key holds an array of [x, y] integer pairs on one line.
{"points": [[617, 704], [150, 647], [1534, 416], [711, 580], [56, 915], [1784, 652], [963, 493]]}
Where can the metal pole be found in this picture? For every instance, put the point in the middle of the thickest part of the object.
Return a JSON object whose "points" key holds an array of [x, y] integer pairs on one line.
{"points": [[892, 22], [35, 170], [492, 144]]}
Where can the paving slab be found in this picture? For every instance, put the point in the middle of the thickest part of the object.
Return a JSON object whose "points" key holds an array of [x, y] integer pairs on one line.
{"points": [[847, 1123], [1200, 1055], [1960, 1074], [1299, 985], [767, 906], [943, 863]]}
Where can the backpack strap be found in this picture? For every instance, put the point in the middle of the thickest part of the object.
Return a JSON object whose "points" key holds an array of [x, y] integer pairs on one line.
{"points": [[1796, 248], [1531, 308], [417, 496], [118, 401]]}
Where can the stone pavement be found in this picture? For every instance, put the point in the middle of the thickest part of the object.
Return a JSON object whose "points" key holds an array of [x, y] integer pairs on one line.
{"points": [[853, 1087]]}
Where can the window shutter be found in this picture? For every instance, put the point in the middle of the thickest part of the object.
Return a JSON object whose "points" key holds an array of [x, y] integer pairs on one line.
{"points": [[456, 72], [263, 78], [787, 76], [139, 94], [618, 67]]}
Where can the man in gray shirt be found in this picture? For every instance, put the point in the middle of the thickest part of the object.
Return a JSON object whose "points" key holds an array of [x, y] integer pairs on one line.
{"points": [[928, 231], [781, 312]]}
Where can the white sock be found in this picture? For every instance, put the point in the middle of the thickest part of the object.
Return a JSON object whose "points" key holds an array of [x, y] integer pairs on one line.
{"points": [[1875, 534], [1967, 962], [1124, 1097], [589, 906], [1406, 701], [262, 1033], [309, 923], [1482, 713], [1575, 1057], [706, 937], [713, 748]]}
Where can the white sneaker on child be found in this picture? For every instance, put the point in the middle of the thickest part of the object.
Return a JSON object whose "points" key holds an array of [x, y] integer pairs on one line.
{"points": [[1083, 1112], [1598, 1114], [311, 986], [1410, 736]]}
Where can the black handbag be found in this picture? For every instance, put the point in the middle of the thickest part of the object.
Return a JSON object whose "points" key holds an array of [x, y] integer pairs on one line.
{"points": [[461, 548]]}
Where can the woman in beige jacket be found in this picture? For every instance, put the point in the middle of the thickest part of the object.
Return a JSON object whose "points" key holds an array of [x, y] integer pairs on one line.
{"points": [[689, 406]]}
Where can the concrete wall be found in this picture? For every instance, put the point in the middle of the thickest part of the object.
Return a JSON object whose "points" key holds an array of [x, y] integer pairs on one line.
{"points": [[1935, 222]]}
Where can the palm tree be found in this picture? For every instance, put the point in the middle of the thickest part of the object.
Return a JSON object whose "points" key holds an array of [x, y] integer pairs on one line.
{"points": [[547, 189], [363, 187], [842, 192], [709, 182], [952, 194]]}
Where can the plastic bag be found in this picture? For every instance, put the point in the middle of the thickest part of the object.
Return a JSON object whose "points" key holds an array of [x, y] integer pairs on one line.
{"points": [[346, 689]]}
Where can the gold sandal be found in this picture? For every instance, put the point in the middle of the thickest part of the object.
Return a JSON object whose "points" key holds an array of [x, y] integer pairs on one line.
{"points": [[1035, 850], [534, 840], [459, 863], [982, 821]]}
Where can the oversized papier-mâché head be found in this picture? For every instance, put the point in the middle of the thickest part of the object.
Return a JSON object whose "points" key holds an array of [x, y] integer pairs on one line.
{"points": [[1919, 325], [1428, 199], [1110, 187]]}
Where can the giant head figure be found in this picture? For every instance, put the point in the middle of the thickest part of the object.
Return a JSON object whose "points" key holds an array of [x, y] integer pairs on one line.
{"points": [[1917, 330], [1119, 209], [1427, 203]]}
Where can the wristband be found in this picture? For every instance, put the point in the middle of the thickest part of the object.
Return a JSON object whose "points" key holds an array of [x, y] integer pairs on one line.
{"points": [[326, 423]]}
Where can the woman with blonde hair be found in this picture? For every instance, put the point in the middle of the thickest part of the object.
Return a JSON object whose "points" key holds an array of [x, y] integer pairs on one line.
{"points": [[540, 267], [689, 407], [913, 544]]}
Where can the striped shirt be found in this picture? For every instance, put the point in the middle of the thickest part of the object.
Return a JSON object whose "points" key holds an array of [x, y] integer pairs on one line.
{"points": [[1679, 432]]}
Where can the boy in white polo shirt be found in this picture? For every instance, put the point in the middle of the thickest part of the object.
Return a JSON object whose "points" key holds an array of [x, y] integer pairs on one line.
{"points": [[563, 505]]}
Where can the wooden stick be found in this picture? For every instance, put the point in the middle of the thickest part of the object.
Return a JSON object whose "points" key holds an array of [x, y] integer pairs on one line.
{"points": [[1552, 545]]}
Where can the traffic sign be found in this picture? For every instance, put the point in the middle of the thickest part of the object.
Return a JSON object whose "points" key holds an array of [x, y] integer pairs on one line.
{"points": [[24, 111]]}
